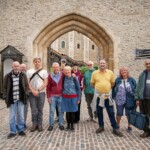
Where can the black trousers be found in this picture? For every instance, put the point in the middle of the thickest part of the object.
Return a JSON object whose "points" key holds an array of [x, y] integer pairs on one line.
{"points": [[145, 109], [70, 116], [77, 114]]}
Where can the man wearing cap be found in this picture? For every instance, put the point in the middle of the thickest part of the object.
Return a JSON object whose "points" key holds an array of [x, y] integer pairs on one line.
{"points": [[63, 63], [88, 89]]}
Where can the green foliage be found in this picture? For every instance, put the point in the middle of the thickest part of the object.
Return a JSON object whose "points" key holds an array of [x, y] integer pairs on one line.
{"points": [[96, 67], [83, 69], [50, 70]]}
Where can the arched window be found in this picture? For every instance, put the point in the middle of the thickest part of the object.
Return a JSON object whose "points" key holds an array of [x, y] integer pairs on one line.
{"points": [[63, 44], [78, 46]]}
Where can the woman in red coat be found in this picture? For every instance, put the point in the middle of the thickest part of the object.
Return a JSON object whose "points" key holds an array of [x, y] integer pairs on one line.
{"points": [[79, 76]]}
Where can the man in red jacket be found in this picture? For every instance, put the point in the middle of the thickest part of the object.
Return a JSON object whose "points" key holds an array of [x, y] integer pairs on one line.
{"points": [[54, 95]]}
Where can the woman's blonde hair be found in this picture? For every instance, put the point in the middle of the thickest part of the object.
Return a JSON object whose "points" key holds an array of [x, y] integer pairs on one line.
{"points": [[67, 68], [124, 68]]}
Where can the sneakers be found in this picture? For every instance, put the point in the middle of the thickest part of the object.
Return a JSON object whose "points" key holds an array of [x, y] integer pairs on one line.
{"points": [[10, 135], [34, 128], [145, 134], [117, 132], [99, 130], [61, 127], [22, 133], [129, 129], [50, 128], [40, 128]]}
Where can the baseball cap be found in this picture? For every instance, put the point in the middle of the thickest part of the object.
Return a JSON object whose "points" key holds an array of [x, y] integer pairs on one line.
{"points": [[63, 60]]}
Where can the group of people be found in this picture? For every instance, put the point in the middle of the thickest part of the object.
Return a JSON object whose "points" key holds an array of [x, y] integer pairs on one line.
{"points": [[21, 87], [64, 93], [126, 93], [63, 88]]}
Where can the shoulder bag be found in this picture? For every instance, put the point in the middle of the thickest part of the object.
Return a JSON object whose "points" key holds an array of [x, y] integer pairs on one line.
{"points": [[130, 101]]}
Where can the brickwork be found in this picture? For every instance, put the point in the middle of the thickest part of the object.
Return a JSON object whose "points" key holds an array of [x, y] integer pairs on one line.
{"points": [[84, 137], [126, 22]]}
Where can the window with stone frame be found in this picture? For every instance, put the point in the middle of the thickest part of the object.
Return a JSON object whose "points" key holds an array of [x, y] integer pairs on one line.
{"points": [[63, 44], [93, 47], [78, 46]]}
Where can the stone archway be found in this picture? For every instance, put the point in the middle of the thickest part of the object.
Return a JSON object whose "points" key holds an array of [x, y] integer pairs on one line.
{"points": [[78, 23]]}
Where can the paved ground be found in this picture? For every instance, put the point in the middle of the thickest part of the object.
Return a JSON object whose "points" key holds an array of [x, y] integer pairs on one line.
{"points": [[84, 137]]}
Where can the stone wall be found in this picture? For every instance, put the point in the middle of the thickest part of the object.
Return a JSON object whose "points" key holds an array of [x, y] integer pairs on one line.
{"points": [[78, 53], [126, 22]]}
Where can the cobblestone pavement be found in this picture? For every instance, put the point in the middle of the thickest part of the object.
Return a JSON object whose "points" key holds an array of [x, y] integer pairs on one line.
{"points": [[84, 137]]}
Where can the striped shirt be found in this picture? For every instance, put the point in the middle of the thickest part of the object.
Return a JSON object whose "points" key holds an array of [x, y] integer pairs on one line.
{"points": [[15, 79]]}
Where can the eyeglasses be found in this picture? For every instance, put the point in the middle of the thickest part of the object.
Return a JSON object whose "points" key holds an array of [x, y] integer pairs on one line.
{"points": [[89, 65]]}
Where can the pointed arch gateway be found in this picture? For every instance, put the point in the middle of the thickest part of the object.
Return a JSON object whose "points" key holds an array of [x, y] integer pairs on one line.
{"points": [[78, 23]]}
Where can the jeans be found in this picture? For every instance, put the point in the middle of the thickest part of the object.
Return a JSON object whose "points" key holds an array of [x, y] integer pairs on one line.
{"points": [[89, 98], [16, 120], [26, 111], [37, 104], [56, 101], [120, 110], [110, 112]]}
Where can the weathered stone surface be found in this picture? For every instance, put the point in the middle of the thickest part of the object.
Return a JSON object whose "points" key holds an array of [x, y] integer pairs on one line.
{"points": [[126, 22]]}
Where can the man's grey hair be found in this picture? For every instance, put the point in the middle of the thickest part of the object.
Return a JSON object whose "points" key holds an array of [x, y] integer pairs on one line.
{"points": [[55, 63], [15, 62]]}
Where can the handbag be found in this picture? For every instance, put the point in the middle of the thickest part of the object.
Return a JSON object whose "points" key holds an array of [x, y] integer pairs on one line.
{"points": [[137, 119], [130, 101]]}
